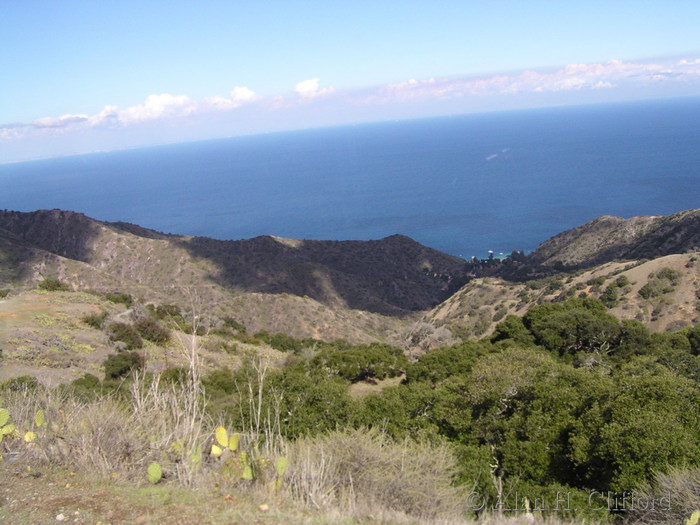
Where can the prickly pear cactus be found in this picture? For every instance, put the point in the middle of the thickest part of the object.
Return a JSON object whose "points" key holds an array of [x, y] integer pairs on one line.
{"points": [[196, 456], [281, 466], [39, 418], [280, 469], [6, 428], [154, 473], [233, 442], [221, 437], [247, 467]]}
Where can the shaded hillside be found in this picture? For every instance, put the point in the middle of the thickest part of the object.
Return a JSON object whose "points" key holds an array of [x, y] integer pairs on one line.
{"points": [[610, 238], [391, 276], [388, 276]]}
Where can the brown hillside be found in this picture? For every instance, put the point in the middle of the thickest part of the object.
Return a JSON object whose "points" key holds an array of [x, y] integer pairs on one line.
{"points": [[610, 238], [391, 276], [475, 309]]}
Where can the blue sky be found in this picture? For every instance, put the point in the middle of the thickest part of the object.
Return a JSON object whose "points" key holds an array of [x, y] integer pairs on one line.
{"points": [[81, 76]]}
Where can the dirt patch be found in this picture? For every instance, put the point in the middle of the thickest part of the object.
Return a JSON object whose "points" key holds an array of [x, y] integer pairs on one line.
{"points": [[365, 388]]}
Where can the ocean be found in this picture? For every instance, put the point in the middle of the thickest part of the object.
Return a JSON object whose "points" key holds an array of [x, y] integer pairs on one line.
{"points": [[463, 184]]}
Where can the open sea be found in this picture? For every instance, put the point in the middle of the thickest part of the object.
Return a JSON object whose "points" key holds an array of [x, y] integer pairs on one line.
{"points": [[463, 184]]}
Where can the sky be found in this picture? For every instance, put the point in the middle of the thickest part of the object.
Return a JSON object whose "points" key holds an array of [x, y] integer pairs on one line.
{"points": [[84, 76]]}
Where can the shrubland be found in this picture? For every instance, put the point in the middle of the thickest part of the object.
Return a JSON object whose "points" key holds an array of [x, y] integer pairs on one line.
{"points": [[555, 411]]}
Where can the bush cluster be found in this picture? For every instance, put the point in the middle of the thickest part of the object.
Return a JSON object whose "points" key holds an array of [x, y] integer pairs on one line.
{"points": [[662, 282], [95, 320], [120, 365], [52, 284], [126, 334], [151, 330], [566, 399]]}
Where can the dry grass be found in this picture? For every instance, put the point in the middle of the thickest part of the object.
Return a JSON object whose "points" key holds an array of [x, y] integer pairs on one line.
{"points": [[364, 472], [671, 498]]}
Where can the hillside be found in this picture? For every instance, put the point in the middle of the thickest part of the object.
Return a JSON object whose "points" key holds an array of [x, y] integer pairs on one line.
{"points": [[356, 290], [670, 301], [391, 276], [290, 400], [609, 238]]}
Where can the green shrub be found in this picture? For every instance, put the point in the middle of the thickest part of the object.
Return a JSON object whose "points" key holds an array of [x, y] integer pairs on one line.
{"points": [[119, 298], [401, 411], [359, 363], [285, 343], [125, 333], [609, 297], [693, 336], [4, 292], [669, 274], [647, 292], [596, 281], [576, 325], [662, 282], [442, 363], [307, 402], [174, 375], [164, 311], [152, 330], [234, 325], [20, 383], [95, 320], [122, 364], [86, 387], [52, 284], [512, 328], [622, 281], [646, 425], [220, 382]]}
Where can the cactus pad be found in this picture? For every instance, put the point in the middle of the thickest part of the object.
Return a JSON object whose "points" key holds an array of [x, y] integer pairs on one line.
{"points": [[39, 419], [222, 437], [281, 466], [154, 473]]}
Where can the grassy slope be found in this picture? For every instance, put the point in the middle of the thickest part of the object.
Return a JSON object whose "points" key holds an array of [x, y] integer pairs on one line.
{"points": [[41, 335], [41, 495], [158, 270], [38, 496]]}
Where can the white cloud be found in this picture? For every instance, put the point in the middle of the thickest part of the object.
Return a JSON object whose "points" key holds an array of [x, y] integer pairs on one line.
{"points": [[158, 106], [309, 88], [243, 94], [238, 96], [572, 77], [109, 114], [679, 76], [59, 122]]}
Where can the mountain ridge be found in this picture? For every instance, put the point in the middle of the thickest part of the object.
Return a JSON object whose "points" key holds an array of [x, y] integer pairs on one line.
{"points": [[608, 238], [391, 276]]}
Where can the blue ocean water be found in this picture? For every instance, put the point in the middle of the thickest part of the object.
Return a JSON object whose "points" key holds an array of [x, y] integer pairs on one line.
{"points": [[463, 185]]}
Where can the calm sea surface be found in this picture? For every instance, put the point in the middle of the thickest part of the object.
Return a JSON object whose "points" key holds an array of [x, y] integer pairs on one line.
{"points": [[463, 185]]}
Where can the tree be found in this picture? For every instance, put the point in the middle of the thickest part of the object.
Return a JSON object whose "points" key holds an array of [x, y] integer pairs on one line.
{"points": [[574, 326], [122, 364], [363, 362], [649, 422]]}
